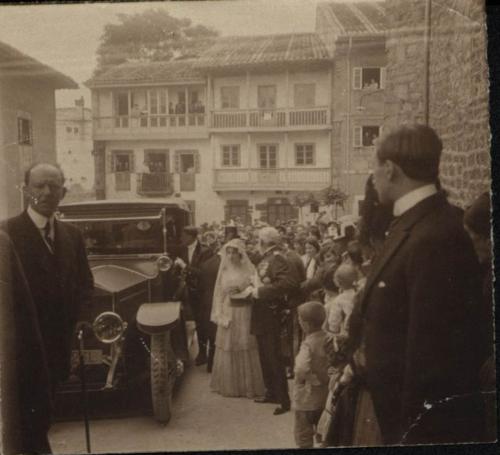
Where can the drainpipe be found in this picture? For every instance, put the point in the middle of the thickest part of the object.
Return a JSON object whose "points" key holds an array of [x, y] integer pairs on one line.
{"points": [[349, 127], [427, 47]]}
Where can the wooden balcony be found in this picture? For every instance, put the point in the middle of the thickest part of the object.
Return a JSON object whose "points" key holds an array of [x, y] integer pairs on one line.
{"points": [[272, 179], [151, 126], [155, 184], [271, 120]]}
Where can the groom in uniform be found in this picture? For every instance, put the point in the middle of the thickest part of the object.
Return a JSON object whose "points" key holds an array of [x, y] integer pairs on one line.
{"points": [[276, 282]]}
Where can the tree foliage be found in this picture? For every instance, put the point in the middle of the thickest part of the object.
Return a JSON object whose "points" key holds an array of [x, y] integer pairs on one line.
{"points": [[153, 35]]}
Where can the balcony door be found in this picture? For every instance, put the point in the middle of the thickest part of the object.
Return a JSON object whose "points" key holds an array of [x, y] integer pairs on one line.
{"points": [[187, 164], [266, 97], [121, 109], [237, 210]]}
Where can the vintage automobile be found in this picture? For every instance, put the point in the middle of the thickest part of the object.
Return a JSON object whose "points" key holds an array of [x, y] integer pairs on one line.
{"points": [[132, 335]]}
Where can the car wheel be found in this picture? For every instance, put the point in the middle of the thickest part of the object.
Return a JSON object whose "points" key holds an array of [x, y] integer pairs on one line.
{"points": [[162, 376]]}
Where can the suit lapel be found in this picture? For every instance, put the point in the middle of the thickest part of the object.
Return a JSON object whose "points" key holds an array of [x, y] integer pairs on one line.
{"points": [[391, 246], [398, 236], [62, 247], [196, 253], [38, 250]]}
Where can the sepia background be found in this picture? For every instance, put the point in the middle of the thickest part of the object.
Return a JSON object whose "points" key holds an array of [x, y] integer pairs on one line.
{"points": [[341, 73]]}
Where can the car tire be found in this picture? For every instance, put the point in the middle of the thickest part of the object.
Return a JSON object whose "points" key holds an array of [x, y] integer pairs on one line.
{"points": [[162, 376]]}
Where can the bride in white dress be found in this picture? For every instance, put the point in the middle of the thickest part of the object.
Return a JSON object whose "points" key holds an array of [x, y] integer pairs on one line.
{"points": [[236, 370]]}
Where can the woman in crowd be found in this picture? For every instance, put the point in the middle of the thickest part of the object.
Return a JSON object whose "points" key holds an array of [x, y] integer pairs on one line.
{"points": [[310, 259], [236, 369]]}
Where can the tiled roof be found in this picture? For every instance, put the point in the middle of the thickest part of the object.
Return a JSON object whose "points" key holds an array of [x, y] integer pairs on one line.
{"points": [[264, 49], [355, 18], [14, 63], [148, 72]]}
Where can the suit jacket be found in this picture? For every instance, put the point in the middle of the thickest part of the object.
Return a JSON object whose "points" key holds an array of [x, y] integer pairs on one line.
{"points": [[298, 272], [60, 284], [419, 328], [200, 255], [26, 402], [278, 283], [208, 277]]}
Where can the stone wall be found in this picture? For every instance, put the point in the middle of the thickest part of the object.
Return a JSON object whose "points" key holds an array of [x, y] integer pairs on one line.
{"points": [[458, 86]]}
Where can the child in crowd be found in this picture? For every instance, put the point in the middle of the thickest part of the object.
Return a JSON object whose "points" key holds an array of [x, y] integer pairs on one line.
{"points": [[310, 387], [339, 309]]}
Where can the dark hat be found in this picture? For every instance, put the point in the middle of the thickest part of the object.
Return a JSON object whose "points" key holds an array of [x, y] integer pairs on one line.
{"points": [[477, 216], [191, 230]]}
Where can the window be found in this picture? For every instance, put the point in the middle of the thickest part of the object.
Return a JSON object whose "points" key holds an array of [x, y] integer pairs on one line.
{"points": [[230, 97], [156, 161], [267, 156], [266, 96], [364, 136], [24, 131], [122, 161], [304, 154], [68, 129], [231, 156], [304, 95], [364, 78], [75, 130]]}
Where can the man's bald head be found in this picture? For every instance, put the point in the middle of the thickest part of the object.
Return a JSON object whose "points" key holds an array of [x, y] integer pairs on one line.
{"points": [[47, 166]]}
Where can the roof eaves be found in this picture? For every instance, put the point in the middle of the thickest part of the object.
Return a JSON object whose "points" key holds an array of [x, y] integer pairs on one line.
{"points": [[35, 68]]}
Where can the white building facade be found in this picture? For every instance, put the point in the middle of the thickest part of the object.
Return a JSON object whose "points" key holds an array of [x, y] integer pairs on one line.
{"points": [[240, 132]]}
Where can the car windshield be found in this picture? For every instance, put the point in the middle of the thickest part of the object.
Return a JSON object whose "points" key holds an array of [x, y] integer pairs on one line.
{"points": [[136, 236]]}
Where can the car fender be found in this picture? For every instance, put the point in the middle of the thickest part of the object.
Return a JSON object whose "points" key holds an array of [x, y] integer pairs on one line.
{"points": [[158, 317]]}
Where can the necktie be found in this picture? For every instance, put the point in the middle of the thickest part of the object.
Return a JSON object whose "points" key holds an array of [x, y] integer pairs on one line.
{"points": [[47, 237]]}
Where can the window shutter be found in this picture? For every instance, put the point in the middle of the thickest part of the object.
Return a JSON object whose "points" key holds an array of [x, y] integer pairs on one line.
{"points": [[356, 80], [383, 72], [196, 162], [357, 136], [177, 162]]}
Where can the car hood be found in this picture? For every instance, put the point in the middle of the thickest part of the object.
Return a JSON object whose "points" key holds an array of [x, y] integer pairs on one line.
{"points": [[115, 278]]}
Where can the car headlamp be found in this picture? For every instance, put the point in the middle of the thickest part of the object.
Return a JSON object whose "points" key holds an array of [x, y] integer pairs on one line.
{"points": [[164, 263], [108, 327]]}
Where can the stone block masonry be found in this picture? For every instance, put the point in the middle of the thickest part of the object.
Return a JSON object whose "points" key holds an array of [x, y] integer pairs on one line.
{"points": [[458, 86]]}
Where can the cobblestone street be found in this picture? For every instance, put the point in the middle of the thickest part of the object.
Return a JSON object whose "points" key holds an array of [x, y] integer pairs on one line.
{"points": [[202, 420]]}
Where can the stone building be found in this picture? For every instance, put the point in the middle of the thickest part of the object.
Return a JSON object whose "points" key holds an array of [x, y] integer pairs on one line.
{"points": [[27, 120], [355, 36], [254, 122], [74, 150], [454, 74]]}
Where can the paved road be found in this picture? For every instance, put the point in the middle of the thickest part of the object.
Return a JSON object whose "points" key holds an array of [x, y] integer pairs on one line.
{"points": [[202, 420]]}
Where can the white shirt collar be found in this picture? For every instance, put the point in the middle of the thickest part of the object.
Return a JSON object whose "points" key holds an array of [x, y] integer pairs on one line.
{"points": [[40, 220], [411, 199]]}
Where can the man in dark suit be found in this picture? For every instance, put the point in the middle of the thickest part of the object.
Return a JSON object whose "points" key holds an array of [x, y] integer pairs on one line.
{"points": [[208, 276], [54, 261], [270, 294], [419, 307], [192, 255], [26, 400]]}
